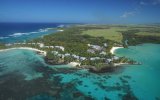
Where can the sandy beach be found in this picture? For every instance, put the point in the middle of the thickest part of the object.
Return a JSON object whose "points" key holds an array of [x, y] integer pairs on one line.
{"points": [[119, 64], [113, 49], [61, 30], [44, 53], [74, 64]]}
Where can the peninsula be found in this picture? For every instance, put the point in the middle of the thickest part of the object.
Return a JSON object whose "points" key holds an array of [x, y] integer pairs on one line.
{"points": [[89, 46]]}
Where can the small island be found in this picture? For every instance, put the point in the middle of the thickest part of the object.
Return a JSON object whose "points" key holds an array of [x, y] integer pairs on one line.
{"points": [[89, 46]]}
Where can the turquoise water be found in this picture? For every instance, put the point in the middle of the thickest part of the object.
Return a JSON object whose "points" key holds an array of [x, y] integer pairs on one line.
{"points": [[20, 61], [39, 81], [146, 76], [140, 80]]}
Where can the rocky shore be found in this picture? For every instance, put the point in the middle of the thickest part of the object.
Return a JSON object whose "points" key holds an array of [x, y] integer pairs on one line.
{"points": [[54, 62]]}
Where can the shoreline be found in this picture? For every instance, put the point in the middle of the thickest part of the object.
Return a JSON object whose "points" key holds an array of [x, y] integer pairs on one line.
{"points": [[75, 64], [113, 49], [119, 64], [44, 53]]}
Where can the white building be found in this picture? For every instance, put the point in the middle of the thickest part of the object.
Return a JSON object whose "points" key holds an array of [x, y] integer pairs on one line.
{"points": [[108, 60], [51, 46], [67, 54], [103, 53], [55, 52], [115, 57], [105, 44], [82, 58], [75, 56], [90, 51], [41, 45], [95, 58], [96, 47], [60, 47]]}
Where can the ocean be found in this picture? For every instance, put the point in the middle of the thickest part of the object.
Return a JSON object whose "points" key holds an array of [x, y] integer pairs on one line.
{"points": [[20, 32], [24, 75]]}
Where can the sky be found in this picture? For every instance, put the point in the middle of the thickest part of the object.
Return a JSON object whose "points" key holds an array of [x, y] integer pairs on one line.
{"points": [[81, 11]]}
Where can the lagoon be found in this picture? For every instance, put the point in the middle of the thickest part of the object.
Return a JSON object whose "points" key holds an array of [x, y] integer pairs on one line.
{"points": [[42, 81]]}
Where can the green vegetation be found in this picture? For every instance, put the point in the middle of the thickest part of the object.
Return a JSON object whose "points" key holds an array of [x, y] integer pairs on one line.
{"points": [[124, 60], [139, 36], [76, 41], [73, 41], [111, 33], [2, 46], [148, 34], [134, 34]]}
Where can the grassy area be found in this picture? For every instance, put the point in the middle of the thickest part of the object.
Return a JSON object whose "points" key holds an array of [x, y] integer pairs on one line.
{"points": [[148, 34], [110, 33]]}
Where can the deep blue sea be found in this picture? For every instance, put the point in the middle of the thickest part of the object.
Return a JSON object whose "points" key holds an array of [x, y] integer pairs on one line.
{"points": [[24, 75], [19, 32]]}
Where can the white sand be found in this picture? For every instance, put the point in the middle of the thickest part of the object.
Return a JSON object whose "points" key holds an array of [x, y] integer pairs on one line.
{"points": [[74, 64], [61, 30], [44, 53], [118, 64], [113, 49]]}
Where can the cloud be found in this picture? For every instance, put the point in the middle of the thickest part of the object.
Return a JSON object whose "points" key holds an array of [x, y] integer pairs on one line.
{"points": [[156, 2], [140, 6], [135, 11], [143, 3], [150, 2], [128, 14]]}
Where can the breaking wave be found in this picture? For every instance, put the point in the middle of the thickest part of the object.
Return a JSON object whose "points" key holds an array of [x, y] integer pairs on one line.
{"points": [[19, 34], [28, 33], [3, 37]]}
